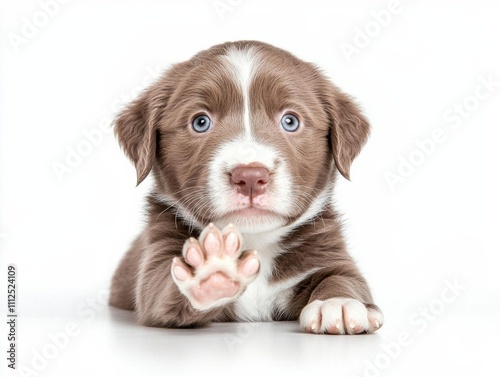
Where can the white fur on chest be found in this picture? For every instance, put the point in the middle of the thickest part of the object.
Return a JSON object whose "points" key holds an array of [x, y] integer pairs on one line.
{"points": [[261, 298]]}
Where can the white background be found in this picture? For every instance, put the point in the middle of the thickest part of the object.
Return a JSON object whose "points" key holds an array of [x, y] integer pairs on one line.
{"points": [[438, 226]]}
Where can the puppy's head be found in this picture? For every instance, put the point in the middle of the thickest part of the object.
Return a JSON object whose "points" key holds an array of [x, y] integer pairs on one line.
{"points": [[243, 133]]}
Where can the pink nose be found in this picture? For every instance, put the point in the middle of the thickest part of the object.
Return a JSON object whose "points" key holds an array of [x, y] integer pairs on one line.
{"points": [[250, 180]]}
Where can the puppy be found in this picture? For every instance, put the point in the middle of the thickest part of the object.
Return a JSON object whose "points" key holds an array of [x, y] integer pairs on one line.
{"points": [[244, 142]]}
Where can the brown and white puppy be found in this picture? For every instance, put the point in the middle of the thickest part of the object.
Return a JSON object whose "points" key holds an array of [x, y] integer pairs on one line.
{"points": [[246, 138]]}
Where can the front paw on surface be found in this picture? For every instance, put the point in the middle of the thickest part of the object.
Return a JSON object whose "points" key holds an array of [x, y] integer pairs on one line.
{"points": [[213, 270], [340, 316]]}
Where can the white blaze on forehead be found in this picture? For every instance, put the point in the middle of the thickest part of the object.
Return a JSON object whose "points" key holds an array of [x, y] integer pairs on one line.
{"points": [[242, 65]]}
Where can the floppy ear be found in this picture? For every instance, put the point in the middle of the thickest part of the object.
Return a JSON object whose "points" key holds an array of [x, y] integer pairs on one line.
{"points": [[135, 127], [349, 129]]}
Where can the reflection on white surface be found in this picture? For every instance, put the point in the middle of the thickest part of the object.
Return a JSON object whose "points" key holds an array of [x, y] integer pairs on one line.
{"points": [[454, 343]]}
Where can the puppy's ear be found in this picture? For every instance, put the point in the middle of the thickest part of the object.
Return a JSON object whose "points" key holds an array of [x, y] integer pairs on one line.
{"points": [[135, 127], [349, 129]]}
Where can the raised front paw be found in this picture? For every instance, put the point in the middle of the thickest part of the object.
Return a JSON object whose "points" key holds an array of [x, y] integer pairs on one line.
{"points": [[340, 316], [214, 271]]}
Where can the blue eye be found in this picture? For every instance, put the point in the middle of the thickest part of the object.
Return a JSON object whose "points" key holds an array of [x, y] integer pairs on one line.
{"points": [[290, 123], [201, 123]]}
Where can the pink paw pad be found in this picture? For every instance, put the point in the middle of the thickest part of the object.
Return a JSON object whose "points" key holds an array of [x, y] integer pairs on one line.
{"points": [[250, 265], [214, 270]]}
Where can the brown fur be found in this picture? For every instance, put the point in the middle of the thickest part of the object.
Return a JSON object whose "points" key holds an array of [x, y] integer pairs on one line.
{"points": [[153, 132]]}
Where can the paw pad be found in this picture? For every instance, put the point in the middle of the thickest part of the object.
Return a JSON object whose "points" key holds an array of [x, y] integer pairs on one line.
{"points": [[213, 270]]}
